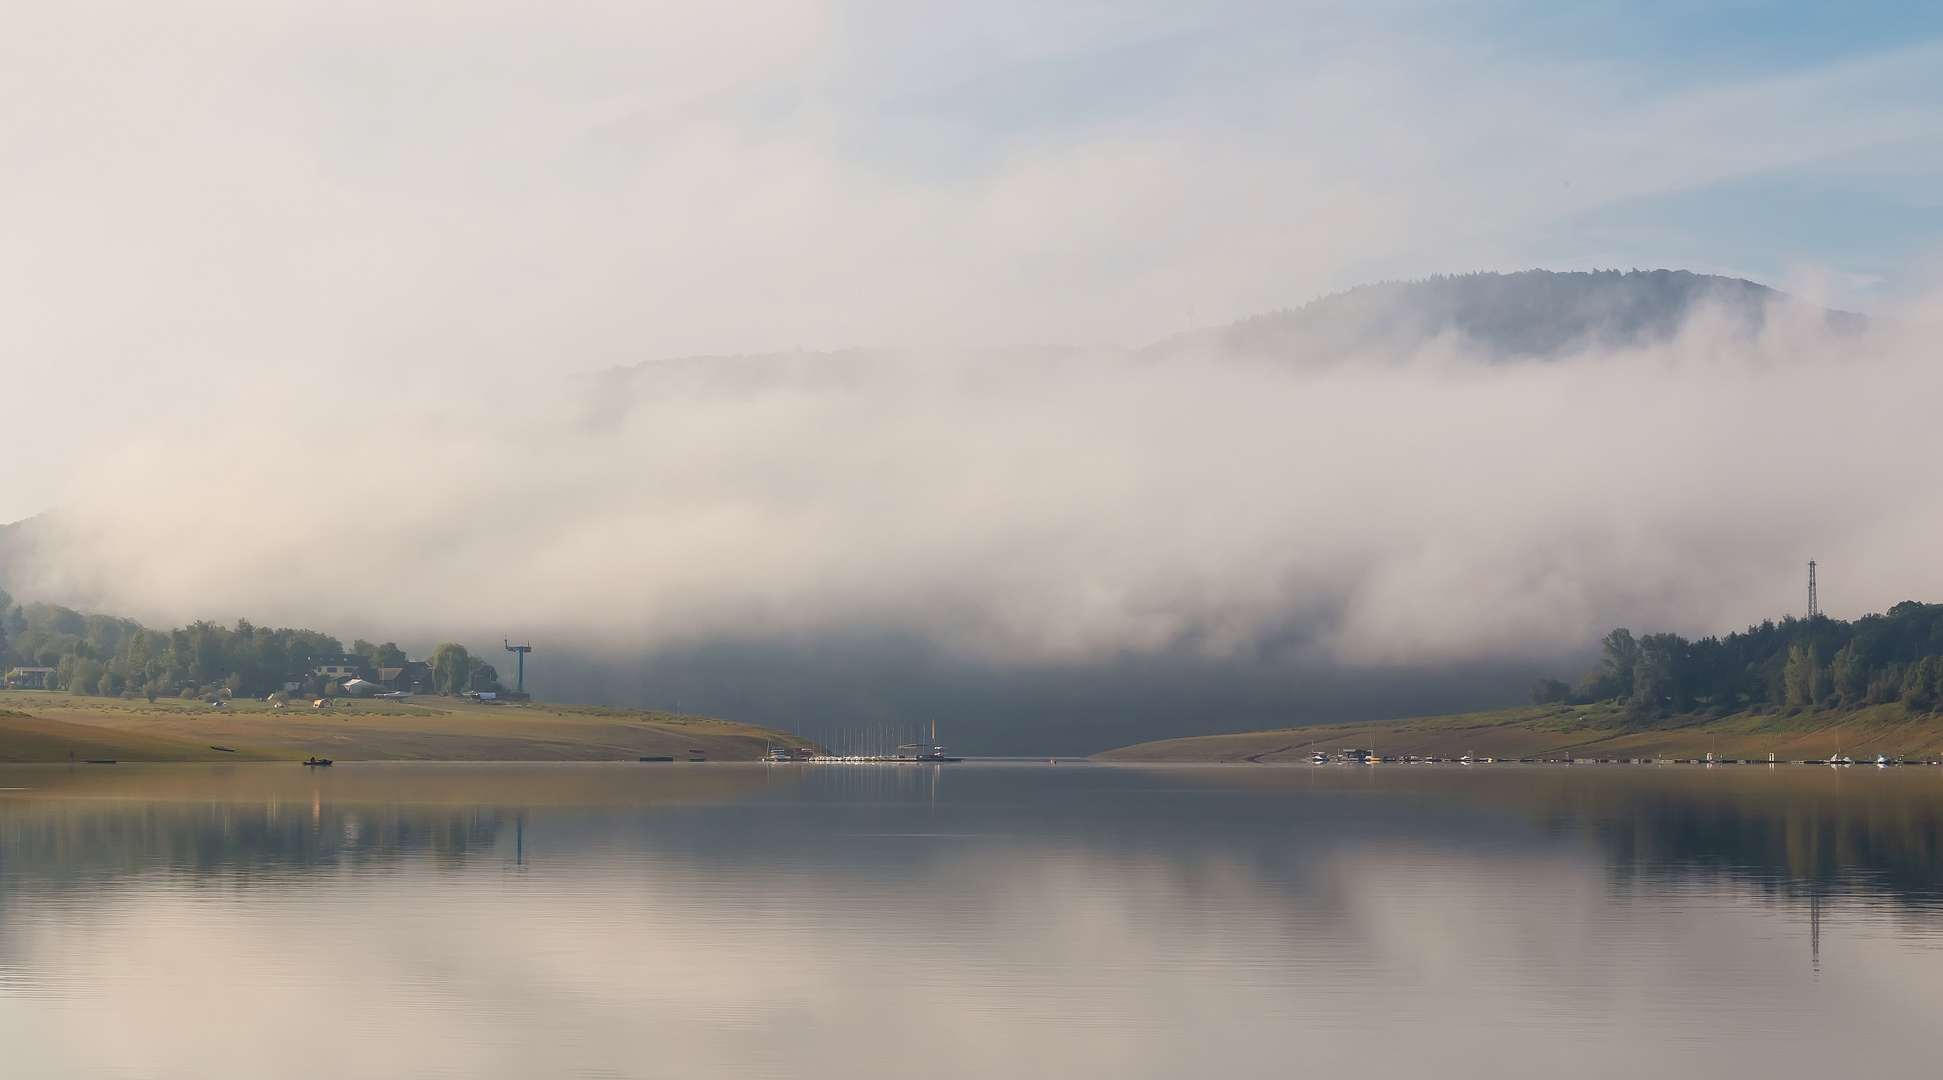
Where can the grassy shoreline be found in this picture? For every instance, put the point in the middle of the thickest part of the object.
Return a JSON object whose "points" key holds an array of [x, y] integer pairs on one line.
{"points": [[1590, 731], [45, 726]]}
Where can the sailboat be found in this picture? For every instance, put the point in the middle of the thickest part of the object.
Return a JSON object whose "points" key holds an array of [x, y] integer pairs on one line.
{"points": [[931, 752]]}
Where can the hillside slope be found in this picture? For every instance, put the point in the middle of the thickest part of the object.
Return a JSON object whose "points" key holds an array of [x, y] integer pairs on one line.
{"points": [[44, 726], [25, 738], [1589, 731]]}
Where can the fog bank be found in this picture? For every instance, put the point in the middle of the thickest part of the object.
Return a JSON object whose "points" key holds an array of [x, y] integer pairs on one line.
{"points": [[1048, 509]]}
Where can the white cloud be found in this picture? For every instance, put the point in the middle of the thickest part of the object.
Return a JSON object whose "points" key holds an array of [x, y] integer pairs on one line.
{"points": [[289, 295], [1051, 504]]}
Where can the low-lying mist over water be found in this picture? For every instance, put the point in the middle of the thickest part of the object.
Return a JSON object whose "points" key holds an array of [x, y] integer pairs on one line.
{"points": [[1439, 500]]}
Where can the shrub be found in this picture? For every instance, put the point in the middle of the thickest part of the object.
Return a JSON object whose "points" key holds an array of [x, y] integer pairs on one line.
{"points": [[88, 677]]}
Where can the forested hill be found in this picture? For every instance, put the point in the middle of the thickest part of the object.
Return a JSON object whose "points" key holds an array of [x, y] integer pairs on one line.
{"points": [[1530, 314], [109, 656], [1817, 663], [1794, 690]]}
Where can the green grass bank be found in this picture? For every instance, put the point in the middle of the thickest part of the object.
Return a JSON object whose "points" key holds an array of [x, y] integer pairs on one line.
{"points": [[1579, 731], [41, 726]]}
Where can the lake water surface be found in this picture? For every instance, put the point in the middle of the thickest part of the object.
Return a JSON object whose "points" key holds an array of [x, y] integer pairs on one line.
{"points": [[974, 920]]}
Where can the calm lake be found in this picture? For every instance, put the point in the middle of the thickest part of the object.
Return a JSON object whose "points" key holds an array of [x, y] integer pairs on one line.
{"points": [[971, 920]]}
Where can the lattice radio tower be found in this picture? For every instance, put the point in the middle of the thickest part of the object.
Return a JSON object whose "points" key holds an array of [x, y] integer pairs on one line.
{"points": [[1814, 606]]}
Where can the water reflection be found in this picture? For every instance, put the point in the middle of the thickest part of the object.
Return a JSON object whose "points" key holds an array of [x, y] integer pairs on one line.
{"points": [[1798, 829], [975, 921], [68, 823]]}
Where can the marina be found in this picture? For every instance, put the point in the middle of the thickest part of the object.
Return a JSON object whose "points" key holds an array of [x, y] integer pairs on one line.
{"points": [[929, 752]]}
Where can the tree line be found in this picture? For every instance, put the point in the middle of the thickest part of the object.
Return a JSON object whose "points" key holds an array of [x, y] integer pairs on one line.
{"points": [[1794, 664], [109, 656]]}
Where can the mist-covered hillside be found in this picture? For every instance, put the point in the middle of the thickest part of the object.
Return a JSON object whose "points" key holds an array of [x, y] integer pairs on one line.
{"points": [[1533, 314], [1056, 550]]}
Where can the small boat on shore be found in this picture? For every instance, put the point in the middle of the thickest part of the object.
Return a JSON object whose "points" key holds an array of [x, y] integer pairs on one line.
{"points": [[317, 761], [224, 749]]}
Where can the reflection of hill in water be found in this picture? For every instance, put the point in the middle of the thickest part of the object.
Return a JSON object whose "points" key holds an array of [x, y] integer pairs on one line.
{"points": [[63, 825], [1790, 828], [79, 842]]}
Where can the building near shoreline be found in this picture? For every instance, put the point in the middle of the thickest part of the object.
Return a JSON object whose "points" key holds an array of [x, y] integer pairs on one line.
{"points": [[413, 677], [338, 665], [30, 678]]}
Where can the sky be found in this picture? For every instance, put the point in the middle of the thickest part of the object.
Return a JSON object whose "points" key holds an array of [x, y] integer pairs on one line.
{"points": [[305, 307], [211, 191]]}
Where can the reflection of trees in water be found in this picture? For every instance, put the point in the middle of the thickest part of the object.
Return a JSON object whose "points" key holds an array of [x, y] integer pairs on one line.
{"points": [[60, 826], [60, 846], [1787, 832], [1791, 830]]}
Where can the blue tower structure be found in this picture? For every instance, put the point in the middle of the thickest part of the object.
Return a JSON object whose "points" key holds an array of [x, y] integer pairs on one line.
{"points": [[522, 650]]}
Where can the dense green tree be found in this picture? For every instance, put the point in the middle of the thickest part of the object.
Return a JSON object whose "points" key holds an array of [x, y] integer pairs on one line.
{"points": [[1806, 663], [84, 676], [387, 655], [451, 669], [482, 676], [129, 658], [1659, 662], [1849, 675], [1802, 677], [1919, 684], [1613, 678]]}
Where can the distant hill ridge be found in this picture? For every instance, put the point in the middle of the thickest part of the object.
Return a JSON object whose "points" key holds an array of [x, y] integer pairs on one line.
{"points": [[1529, 314], [1540, 314]]}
